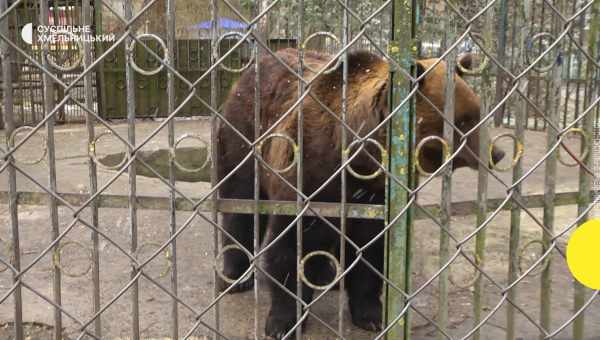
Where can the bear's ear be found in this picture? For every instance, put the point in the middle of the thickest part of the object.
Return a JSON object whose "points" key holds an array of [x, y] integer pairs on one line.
{"points": [[466, 61]]}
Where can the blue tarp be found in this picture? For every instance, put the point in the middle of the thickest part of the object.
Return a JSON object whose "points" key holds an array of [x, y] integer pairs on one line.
{"points": [[224, 23]]}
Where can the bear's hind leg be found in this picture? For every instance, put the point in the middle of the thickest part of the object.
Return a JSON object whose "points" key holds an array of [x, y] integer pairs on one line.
{"points": [[235, 262], [364, 286], [281, 265], [240, 227]]}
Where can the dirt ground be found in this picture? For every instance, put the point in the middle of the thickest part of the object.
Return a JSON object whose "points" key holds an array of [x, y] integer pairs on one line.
{"points": [[195, 248]]}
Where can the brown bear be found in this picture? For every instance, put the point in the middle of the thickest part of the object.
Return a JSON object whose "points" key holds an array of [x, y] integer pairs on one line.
{"points": [[367, 97]]}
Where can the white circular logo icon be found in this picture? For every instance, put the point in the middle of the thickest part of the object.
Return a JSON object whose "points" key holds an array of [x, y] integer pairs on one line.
{"points": [[27, 33]]}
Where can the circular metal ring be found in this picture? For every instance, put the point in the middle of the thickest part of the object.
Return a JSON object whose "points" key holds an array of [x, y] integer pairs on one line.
{"points": [[8, 258], [73, 38], [544, 263], [222, 251], [326, 34], [383, 153], [294, 150], [173, 152], [227, 68], [167, 252], [472, 281], [92, 153], [11, 143], [484, 63], [586, 148], [58, 252], [338, 270], [538, 69], [445, 152], [516, 157], [132, 59]]}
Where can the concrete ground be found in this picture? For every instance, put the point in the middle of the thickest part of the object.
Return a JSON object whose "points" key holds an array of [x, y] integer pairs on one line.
{"points": [[195, 248]]}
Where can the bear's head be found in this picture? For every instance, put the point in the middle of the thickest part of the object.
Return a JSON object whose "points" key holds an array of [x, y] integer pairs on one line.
{"points": [[467, 108]]}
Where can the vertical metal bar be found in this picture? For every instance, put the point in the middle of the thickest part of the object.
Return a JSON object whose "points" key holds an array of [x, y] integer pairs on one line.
{"points": [[344, 174], [513, 50], [482, 179], [171, 104], [92, 171], [555, 84], [132, 203], [214, 102], [98, 50], [401, 138], [30, 15], [535, 80], [55, 89], [261, 32], [446, 195], [22, 88], [522, 14], [501, 32], [569, 76], [48, 88], [300, 164], [584, 196], [12, 176], [579, 78]]}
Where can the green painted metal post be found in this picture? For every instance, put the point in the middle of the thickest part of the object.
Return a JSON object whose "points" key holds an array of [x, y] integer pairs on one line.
{"points": [[584, 196], [402, 49]]}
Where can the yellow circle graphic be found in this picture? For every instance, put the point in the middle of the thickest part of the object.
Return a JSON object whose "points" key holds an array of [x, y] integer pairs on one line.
{"points": [[583, 254]]}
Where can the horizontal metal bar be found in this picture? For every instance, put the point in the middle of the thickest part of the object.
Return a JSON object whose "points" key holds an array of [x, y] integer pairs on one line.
{"points": [[241, 206]]}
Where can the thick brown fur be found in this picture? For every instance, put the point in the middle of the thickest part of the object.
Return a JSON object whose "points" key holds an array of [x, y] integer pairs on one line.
{"points": [[367, 93]]}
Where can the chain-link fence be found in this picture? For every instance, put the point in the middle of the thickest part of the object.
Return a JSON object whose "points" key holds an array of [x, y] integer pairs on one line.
{"points": [[353, 187]]}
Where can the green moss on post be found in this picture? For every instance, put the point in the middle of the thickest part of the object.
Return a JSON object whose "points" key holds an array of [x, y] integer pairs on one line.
{"points": [[402, 49]]}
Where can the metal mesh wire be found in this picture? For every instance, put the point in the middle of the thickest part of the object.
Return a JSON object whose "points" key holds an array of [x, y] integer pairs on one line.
{"points": [[411, 301]]}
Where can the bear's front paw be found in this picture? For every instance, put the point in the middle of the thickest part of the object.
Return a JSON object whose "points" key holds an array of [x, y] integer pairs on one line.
{"points": [[367, 315], [278, 325]]}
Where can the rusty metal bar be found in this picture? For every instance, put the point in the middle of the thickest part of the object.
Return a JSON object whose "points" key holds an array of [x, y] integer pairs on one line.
{"points": [[131, 171], [48, 89], [241, 206], [299, 165], [262, 33], [171, 105], [86, 14], [12, 196], [214, 102], [344, 175]]}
